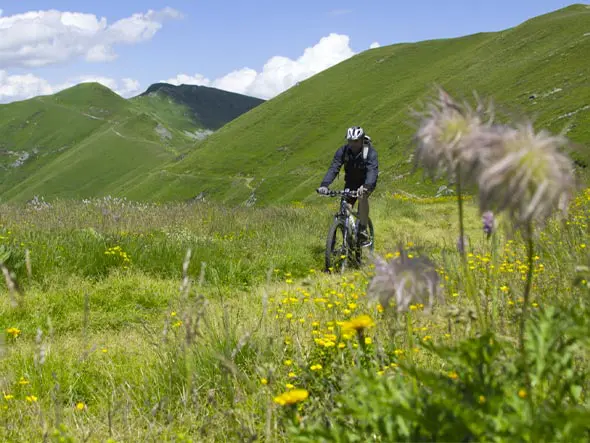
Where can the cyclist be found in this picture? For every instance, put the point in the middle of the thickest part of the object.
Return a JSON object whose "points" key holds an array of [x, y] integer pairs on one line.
{"points": [[361, 168]]}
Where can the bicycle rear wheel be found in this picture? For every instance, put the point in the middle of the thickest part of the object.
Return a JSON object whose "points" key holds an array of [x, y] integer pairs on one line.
{"points": [[337, 247]]}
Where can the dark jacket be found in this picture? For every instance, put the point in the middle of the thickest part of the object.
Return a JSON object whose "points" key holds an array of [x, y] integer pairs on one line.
{"points": [[357, 171]]}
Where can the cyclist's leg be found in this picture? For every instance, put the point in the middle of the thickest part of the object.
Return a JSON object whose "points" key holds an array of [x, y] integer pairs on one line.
{"points": [[364, 210]]}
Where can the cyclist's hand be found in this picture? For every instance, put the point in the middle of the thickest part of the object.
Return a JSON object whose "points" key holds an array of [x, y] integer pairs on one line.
{"points": [[323, 190], [361, 191]]}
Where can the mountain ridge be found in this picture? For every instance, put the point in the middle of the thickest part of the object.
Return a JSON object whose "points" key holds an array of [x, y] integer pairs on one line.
{"points": [[221, 106]]}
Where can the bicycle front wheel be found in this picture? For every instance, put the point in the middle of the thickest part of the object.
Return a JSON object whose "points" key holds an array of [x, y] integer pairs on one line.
{"points": [[336, 247]]}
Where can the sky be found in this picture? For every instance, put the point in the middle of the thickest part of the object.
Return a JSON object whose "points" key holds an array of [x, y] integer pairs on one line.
{"points": [[259, 47]]}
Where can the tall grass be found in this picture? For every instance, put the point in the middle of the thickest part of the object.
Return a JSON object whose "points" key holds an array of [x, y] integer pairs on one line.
{"points": [[150, 352]]}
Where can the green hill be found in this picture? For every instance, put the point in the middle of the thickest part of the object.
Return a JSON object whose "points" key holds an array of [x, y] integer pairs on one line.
{"points": [[87, 140], [279, 151]]}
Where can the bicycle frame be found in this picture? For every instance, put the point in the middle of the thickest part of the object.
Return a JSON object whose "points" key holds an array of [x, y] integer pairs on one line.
{"points": [[347, 219], [345, 213]]}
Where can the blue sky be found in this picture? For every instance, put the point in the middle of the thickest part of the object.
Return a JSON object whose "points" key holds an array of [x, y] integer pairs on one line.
{"points": [[215, 38]]}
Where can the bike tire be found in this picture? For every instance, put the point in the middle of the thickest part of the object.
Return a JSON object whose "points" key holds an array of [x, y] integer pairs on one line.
{"points": [[338, 225]]}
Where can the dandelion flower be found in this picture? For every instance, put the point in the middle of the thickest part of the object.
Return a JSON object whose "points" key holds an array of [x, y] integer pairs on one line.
{"points": [[14, 332], [358, 323], [292, 397], [453, 375]]}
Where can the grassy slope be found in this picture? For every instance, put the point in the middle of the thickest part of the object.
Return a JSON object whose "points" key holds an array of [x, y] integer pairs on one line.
{"points": [[87, 140], [283, 147]]}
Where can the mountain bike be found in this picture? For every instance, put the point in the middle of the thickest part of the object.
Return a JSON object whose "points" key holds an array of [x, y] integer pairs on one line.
{"points": [[343, 244]]}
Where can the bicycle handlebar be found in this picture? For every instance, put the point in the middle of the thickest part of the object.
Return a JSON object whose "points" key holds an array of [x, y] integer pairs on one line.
{"points": [[344, 193]]}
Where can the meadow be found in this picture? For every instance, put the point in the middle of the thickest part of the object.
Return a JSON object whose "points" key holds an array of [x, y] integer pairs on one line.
{"points": [[107, 339], [130, 321]]}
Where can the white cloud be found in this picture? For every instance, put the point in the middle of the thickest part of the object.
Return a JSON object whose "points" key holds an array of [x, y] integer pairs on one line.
{"points": [[279, 73], [374, 45], [39, 38], [20, 87]]}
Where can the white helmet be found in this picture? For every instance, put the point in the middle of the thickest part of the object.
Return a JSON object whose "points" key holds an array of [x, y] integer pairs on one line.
{"points": [[355, 133]]}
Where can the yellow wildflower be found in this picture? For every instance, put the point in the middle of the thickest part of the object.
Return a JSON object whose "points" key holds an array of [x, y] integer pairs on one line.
{"points": [[291, 397], [358, 323], [15, 332]]}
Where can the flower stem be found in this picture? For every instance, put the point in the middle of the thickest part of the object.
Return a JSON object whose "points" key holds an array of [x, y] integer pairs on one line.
{"points": [[525, 307], [494, 281], [461, 225], [470, 288], [528, 284]]}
